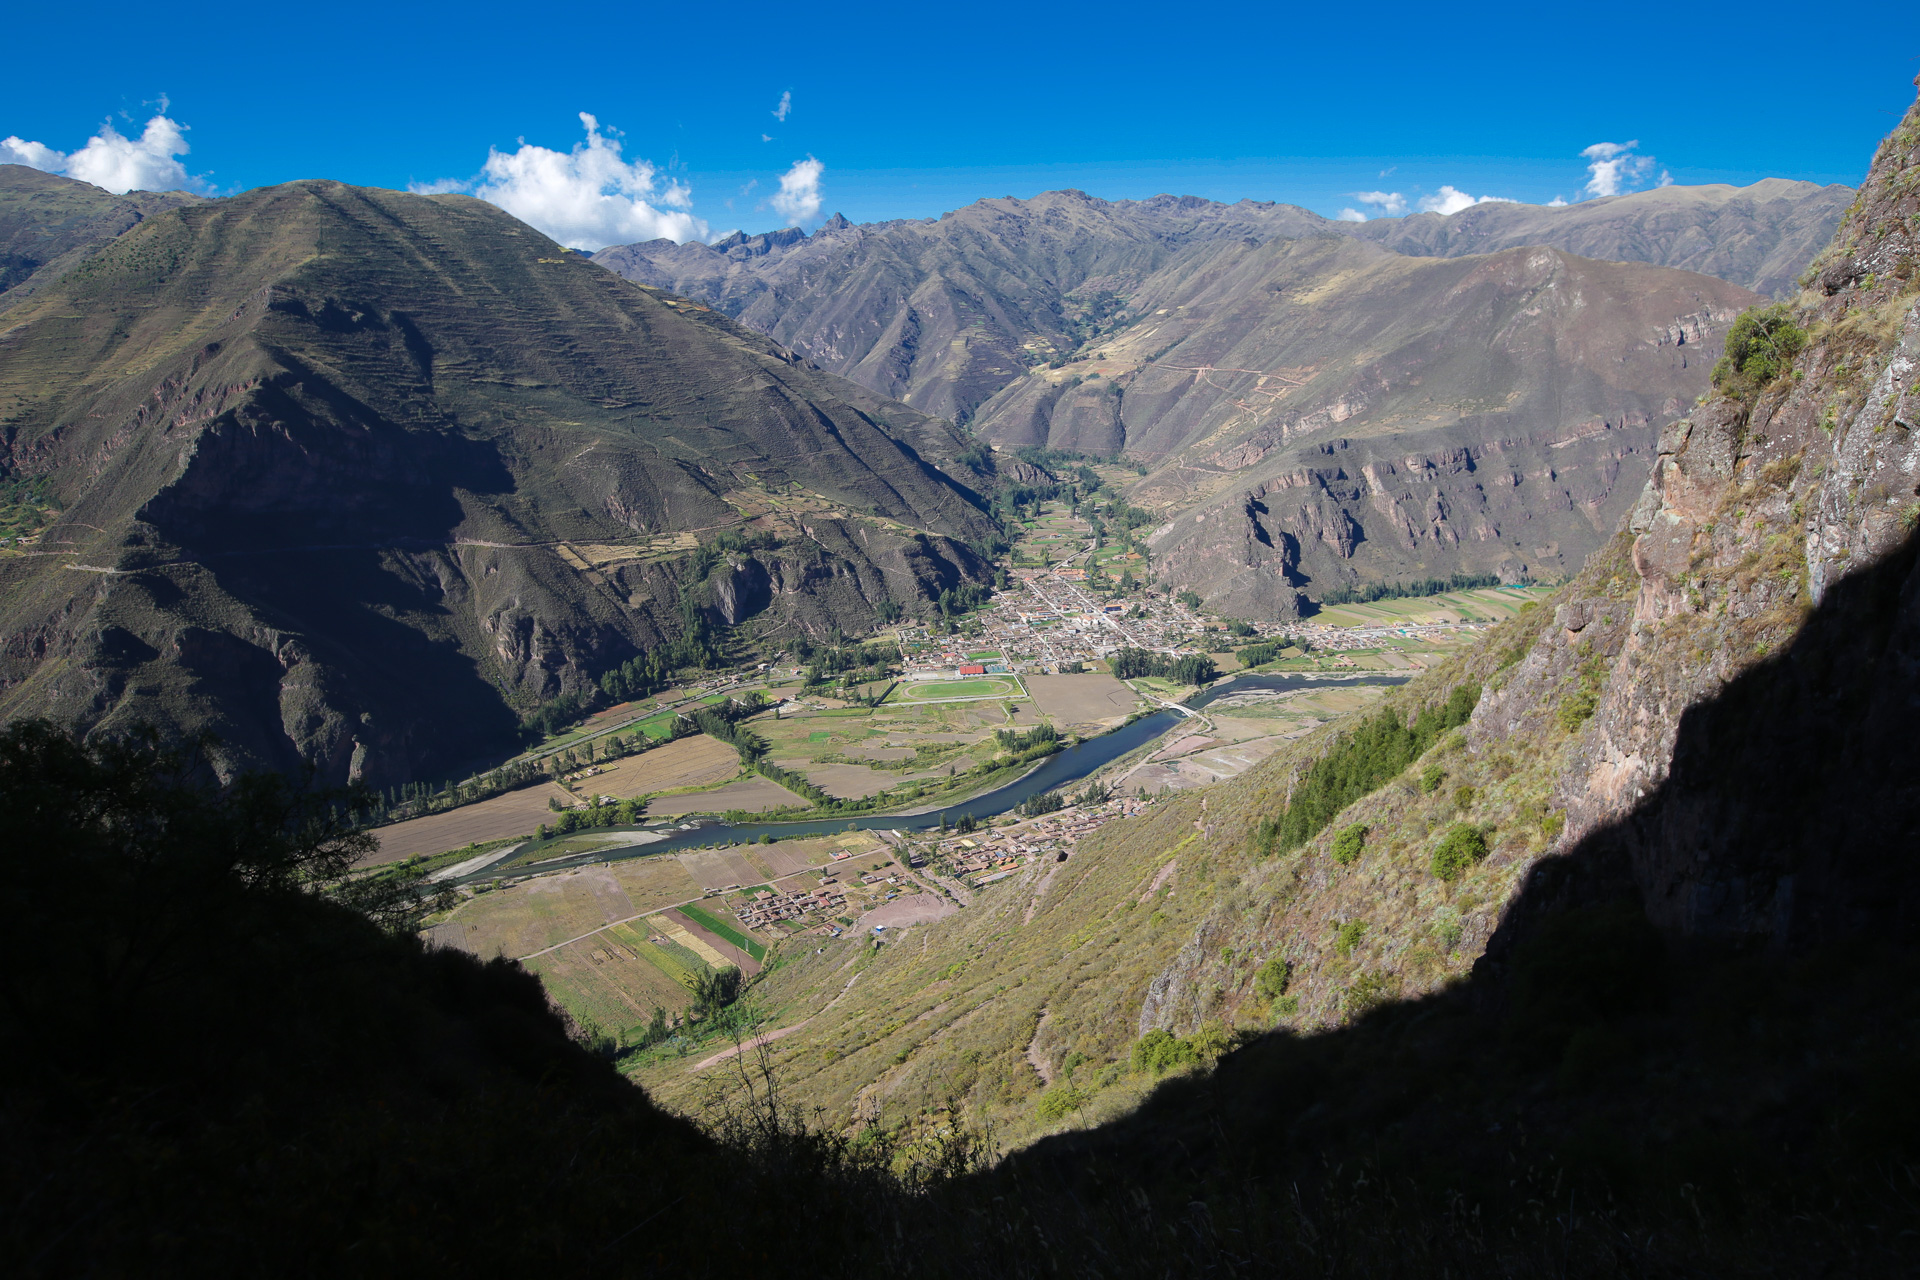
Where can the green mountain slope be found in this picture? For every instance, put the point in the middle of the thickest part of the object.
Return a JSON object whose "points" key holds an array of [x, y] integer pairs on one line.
{"points": [[355, 476], [48, 225]]}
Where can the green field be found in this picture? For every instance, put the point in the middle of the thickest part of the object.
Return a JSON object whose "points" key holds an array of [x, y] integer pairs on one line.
{"points": [[934, 690], [725, 930]]}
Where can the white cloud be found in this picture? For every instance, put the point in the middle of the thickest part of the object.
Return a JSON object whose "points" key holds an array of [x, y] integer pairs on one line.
{"points": [[786, 105], [1666, 179], [587, 198], [120, 164], [1386, 204], [1613, 169], [766, 137], [1449, 200], [34, 155], [438, 187], [1558, 202], [1350, 215], [798, 199]]}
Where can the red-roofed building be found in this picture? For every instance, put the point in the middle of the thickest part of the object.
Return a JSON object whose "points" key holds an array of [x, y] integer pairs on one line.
{"points": [[973, 669]]}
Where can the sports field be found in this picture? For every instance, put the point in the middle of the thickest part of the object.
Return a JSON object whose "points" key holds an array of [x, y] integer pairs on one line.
{"points": [[942, 690]]}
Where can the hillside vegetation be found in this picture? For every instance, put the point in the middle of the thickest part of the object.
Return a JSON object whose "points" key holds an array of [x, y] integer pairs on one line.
{"points": [[365, 478]]}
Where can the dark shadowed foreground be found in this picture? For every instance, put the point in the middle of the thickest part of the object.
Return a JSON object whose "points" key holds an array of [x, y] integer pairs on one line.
{"points": [[216, 1061]]}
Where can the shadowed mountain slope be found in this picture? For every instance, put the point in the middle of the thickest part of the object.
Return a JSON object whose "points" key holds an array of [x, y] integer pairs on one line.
{"points": [[49, 224], [354, 475]]}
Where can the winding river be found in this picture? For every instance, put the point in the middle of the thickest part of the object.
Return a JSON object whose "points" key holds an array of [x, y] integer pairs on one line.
{"points": [[1056, 771]]}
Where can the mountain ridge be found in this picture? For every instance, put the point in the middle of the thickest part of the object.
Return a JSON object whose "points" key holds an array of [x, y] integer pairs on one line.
{"points": [[329, 461]]}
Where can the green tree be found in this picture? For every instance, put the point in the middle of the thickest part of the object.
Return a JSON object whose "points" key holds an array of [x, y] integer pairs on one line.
{"points": [[1348, 844]]}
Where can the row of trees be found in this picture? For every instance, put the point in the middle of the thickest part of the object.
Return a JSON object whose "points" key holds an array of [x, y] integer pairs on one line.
{"points": [[1193, 668], [1372, 591]]}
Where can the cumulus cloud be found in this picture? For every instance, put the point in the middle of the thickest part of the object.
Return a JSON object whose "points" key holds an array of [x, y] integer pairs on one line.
{"points": [[587, 198], [798, 199], [1448, 201], [1385, 204], [1558, 202], [1613, 168], [149, 162], [786, 105]]}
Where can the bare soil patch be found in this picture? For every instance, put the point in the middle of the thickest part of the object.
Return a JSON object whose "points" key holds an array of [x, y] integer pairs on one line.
{"points": [[1094, 701], [516, 813], [718, 868], [914, 908]]}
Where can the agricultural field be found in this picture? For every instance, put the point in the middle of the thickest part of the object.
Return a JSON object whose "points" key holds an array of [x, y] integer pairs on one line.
{"points": [[716, 869], [1082, 702], [1489, 604], [698, 761], [614, 979], [517, 813], [755, 794], [519, 919]]}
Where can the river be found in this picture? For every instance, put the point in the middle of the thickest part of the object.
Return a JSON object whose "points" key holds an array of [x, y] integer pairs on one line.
{"points": [[1056, 771]]}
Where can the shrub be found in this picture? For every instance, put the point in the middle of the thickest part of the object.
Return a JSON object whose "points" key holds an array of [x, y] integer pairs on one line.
{"points": [[1760, 346], [1463, 798], [1431, 777], [1061, 1101], [1346, 937], [1347, 845], [1160, 1051], [1459, 849], [1270, 979], [1369, 991]]}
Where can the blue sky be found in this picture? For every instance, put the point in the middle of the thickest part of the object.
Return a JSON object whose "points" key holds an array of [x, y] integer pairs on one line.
{"points": [[911, 110]]}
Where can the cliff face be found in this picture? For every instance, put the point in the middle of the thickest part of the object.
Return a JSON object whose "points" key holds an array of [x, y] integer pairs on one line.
{"points": [[1713, 721], [357, 476]]}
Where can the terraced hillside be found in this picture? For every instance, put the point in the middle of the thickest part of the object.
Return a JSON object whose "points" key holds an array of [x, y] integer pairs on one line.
{"points": [[359, 476]]}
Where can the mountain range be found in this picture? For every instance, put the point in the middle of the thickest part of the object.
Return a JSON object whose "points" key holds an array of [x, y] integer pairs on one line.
{"points": [[360, 477], [1320, 403]]}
